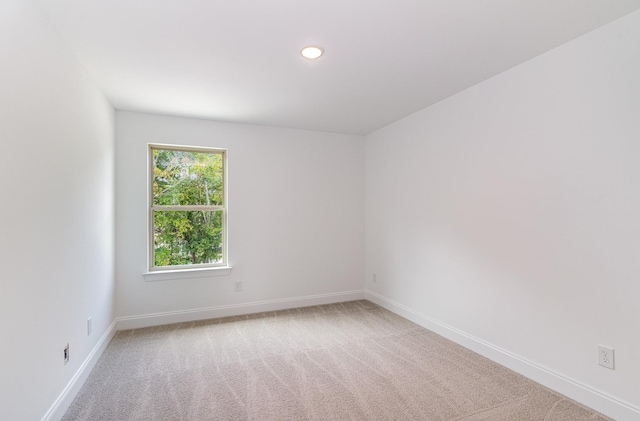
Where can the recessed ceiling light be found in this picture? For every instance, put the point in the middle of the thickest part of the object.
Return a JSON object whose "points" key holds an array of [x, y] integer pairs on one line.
{"points": [[312, 53]]}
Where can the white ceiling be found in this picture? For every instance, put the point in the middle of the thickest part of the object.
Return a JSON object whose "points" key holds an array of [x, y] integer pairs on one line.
{"points": [[238, 60]]}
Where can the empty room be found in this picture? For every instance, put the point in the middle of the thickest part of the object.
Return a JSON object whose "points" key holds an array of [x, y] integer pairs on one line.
{"points": [[320, 210]]}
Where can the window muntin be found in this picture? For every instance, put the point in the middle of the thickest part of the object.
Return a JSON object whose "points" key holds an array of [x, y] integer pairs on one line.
{"points": [[187, 211]]}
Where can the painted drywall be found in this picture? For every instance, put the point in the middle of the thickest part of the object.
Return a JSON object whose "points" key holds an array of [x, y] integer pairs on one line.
{"points": [[510, 211], [57, 212], [295, 220]]}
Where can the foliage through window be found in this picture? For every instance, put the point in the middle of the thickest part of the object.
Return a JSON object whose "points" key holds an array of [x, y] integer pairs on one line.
{"points": [[187, 207]]}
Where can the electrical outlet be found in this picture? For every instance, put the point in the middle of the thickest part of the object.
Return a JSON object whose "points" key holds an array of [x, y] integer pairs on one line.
{"points": [[89, 326], [66, 354], [238, 286], [606, 357], [375, 278]]}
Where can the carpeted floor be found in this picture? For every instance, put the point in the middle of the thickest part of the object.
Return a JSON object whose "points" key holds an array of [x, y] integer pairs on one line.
{"points": [[348, 361]]}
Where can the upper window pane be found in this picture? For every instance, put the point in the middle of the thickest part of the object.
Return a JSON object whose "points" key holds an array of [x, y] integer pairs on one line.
{"points": [[187, 178]]}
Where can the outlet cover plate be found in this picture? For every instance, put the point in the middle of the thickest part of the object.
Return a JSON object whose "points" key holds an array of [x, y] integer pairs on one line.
{"points": [[606, 357]]}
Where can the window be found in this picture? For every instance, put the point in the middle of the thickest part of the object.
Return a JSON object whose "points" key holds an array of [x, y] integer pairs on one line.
{"points": [[187, 207]]}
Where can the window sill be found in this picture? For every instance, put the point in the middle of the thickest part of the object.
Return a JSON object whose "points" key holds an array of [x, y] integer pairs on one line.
{"points": [[166, 275]]}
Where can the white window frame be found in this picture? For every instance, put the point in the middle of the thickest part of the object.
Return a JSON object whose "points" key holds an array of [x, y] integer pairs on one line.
{"points": [[195, 270]]}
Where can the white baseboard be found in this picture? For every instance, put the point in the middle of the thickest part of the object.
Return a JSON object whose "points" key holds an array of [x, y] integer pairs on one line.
{"points": [[608, 405], [60, 406], [156, 319]]}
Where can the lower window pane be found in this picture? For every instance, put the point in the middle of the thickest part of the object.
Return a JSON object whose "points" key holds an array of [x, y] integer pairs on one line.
{"points": [[187, 237]]}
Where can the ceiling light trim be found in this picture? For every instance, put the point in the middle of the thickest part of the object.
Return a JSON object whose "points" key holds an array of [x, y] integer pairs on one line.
{"points": [[312, 52]]}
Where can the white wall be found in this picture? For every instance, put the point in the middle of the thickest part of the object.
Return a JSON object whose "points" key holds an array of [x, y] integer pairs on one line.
{"points": [[511, 211], [56, 213], [295, 219]]}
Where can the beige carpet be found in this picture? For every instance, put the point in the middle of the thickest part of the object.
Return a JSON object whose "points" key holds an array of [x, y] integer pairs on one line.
{"points": [[349, 361]]}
